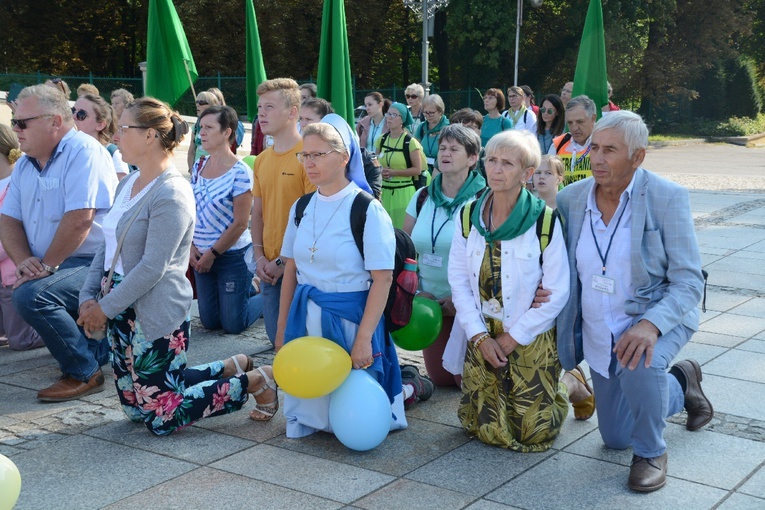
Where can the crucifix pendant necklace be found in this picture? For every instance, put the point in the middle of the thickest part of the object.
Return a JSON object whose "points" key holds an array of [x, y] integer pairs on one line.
{"points": [[313, 247]]}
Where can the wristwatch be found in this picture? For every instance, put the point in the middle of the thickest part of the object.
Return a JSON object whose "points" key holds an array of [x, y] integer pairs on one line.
{"points": [[215, 252], [278, 261], [48, 268]]}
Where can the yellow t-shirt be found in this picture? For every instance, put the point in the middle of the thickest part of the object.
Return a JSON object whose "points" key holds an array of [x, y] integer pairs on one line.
{"points": [[279, 180], [575, 169]]}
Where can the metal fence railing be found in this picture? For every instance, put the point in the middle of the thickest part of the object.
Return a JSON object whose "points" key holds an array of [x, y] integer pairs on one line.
{"points": [[235, 90]]}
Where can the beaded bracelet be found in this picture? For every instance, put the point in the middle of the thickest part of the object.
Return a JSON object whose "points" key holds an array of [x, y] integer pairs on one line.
{"points": [[481, 339]]}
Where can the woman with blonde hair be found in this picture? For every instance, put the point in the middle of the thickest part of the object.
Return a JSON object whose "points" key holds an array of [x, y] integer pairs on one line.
{"points": [[95, 117], [427, 132], [414, 95], [137, 286], [14, 331], [522, 117], [511, 394], [205, 99]]}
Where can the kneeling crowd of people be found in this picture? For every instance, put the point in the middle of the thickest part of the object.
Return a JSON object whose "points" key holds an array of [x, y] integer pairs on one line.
{"points": [[543, 249]]}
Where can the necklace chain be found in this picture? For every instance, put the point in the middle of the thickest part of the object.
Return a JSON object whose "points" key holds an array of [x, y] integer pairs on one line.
{"points": [[313, 247]]}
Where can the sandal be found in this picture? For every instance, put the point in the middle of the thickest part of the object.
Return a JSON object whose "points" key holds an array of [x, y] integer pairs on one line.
{"points": [[247, 368], [585, 408], [267, 411]]}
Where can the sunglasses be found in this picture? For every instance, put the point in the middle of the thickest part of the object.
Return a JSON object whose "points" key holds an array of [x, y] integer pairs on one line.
{"points": [[79, 114], [549, 111], [56, 81], [202, 103], [22, 123], [411, 96]]}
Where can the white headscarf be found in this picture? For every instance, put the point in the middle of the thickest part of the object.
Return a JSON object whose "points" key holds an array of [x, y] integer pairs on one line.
{"points": [[355, 167]]}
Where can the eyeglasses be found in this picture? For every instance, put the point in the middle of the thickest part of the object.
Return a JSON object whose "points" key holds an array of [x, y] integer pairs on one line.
{"points": [[202, 103], [549, 111], [80, 114], [56, 81], [22, 123], [121, 129], [304, 157], [428, 114], [411, 96], [392, 115]]}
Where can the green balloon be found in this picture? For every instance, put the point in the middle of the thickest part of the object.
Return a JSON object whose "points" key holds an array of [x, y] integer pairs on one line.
{"points": [[249, 161], [423, 327]]}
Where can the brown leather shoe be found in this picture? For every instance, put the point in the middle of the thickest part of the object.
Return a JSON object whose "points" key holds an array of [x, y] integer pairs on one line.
{"points": [[697, 405], [68, 388], [648, 475]]}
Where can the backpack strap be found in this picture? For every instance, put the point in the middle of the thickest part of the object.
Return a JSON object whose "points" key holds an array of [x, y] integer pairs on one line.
{"points": [[404, 149], [563, 141], [421, 199], [465, 214], [302, 203], [545, 227], [359, 218], [112, 148]]}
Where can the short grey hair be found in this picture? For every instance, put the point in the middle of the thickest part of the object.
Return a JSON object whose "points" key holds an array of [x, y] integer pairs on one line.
{"points": [[435, 101], [630, 125], [520, 140], [585, 102], [329, 134], [51, 99], [125, 95], [463, 136]]}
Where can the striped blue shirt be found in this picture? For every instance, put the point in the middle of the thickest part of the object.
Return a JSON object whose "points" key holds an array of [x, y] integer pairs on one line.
{"points": [[215, 203]]}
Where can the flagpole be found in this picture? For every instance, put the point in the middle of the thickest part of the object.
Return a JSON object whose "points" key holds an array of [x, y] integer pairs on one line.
{"points": [[188, 74]]}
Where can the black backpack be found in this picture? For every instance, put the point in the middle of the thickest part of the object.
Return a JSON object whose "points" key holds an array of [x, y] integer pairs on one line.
{"points": [[404, 245]]}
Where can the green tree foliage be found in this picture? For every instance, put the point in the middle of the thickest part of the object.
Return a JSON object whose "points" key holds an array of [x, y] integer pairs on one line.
{"points": [[657, 50]]}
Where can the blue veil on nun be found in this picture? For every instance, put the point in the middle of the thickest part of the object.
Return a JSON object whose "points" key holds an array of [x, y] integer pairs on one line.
{"points": [[355, 167]]}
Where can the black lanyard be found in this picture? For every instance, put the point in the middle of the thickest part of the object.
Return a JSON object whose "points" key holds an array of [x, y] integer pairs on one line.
{"points": [[616, 229], [434, 238]]}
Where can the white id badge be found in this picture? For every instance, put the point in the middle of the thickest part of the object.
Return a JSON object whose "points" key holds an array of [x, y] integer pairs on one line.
{"points": [[603, 284], [432, 260], [492, 309], [431, 161]]}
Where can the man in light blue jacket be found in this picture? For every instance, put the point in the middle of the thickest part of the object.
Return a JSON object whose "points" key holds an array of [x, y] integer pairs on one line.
{"points": [[635, 285]]}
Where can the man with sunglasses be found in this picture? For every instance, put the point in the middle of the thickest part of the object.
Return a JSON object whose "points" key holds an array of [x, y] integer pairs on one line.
{"points": [[51, 228]]}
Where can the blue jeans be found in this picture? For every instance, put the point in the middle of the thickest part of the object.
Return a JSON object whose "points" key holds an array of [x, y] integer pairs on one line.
{"points": [[50, 306], [226, 297], [633, 405], [271, 296]]}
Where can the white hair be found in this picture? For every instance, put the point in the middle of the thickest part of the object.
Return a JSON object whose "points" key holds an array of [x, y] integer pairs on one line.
{"points": [[629, 124]]}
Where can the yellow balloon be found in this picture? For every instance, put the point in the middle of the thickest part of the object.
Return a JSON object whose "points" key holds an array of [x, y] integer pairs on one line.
{"points": [[10, 483], [311, 367]]}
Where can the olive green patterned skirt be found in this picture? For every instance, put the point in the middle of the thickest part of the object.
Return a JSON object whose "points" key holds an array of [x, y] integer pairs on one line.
{"points": [[521, 406]]}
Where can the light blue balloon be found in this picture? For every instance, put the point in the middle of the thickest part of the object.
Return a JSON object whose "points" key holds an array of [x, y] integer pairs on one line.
{"points": [[359, 412]]}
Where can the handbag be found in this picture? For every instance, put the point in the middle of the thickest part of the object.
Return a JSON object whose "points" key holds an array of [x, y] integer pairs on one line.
{"points": [[106, 283]]}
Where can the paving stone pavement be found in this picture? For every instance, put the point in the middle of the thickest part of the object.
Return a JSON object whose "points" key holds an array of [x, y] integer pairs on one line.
{"points": [[85, 454]]}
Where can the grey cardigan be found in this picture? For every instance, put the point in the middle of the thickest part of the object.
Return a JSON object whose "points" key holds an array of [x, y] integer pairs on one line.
{"points": [[155, 256]]}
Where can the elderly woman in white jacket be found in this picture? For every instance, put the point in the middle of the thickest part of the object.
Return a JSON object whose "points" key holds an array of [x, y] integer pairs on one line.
{"points": [[510, 381]]}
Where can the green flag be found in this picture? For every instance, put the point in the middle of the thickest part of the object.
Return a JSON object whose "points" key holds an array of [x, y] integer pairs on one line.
{"points": [[256, 71], [170, 69], [591, 78], [334, 77]]}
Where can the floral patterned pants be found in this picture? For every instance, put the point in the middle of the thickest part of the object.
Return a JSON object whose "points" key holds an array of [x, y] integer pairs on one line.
{"points": [[156, 388]]}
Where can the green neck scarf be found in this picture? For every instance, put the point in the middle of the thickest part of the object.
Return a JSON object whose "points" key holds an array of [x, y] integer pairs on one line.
{"points": [[515, 116], [425, 131], [473, 184], [523, 216]]}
